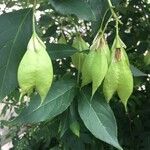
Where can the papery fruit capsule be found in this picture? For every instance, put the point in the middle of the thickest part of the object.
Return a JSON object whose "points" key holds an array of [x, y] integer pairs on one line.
{"points": [[119, 77], [120, 43], [98, 70], [101, 43], [35, 69], [125, 82], [79, 57], [111, 81], [86, 69], [95, 65]]}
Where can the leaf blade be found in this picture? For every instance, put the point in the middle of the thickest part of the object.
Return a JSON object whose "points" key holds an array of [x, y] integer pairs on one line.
{"points": [[98, 118], [79, 8], [58, 100], [57, 51], [12, 46]]}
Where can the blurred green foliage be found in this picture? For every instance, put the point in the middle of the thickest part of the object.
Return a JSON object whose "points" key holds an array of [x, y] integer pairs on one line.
{"points": [[134, 127]]}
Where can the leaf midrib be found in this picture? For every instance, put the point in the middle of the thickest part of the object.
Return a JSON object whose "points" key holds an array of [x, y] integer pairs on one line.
{"points": [[48, 102], [97, 117]]}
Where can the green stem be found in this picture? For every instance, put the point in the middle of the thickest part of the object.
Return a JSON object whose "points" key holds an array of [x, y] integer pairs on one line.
{"points": [[103, 20], [117, 35], [20, 98], [101, 32], [33, 17], [117, 28], [113, 12], [106, 25], [33, 24], [116, 19]]}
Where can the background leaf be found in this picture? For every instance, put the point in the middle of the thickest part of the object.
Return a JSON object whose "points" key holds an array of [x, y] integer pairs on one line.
{"points": [[98, 7], [98, 118], [79, 8], [58, 99], [134, 127], [15, 32], [57, 51]]}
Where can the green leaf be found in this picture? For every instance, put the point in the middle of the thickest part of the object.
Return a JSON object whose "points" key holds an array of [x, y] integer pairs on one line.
{"points": [[62, 39], [75, 128], [80, 8], [58, 100], [98, 118], [64, 124], [136, 72], [73, 119], [57, 51], [15, 32], [51, 31], [99, 7]]}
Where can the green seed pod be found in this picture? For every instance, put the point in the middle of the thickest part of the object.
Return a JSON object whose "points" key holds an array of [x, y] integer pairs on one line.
{"points": [[86, 69], [125, 82], [111, 81], [80, 44], [79, 57], [100, 43], [35, 69], [96, 64], [119, 77], [105, 48], [120, 43], [98, 70]]}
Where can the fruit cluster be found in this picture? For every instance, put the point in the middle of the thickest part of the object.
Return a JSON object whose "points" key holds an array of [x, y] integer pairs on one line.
{"points": [[103, 65]]}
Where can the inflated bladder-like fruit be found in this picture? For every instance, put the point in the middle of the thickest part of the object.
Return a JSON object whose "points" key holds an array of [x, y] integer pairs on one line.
{"points": [[86, 69], [125, 83], [98, 70], [35, 70], [119, 77], [111, 81], [96, 63], [79, 57], [100, 43]]}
